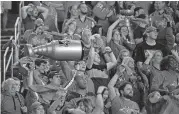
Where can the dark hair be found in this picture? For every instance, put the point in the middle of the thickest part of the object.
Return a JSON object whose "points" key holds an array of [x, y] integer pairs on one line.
{"points": [[123, 85], [142, 16], [66, 108], [137, 9], [95, 29], [39, 61], [51, 74], [165, 63]]}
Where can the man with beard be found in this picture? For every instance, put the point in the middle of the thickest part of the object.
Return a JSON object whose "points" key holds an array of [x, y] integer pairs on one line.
{"points": [[83, 21], [122, 104]]}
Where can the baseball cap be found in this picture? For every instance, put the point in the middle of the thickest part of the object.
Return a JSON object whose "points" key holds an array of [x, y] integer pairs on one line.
{"points": [[150, 29]]}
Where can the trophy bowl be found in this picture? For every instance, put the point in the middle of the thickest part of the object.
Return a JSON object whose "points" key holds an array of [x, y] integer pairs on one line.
{"points": [[127, 12]]}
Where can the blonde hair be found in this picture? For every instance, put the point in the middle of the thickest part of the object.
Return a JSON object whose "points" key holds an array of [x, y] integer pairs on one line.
{"points": [[152, 60], [6, 84], [120, 55]]}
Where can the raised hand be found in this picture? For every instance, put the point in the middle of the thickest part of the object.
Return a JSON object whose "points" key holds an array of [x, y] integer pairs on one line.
{"points": [[101, 88], [108, 49], [175, 53], [24, 109]]}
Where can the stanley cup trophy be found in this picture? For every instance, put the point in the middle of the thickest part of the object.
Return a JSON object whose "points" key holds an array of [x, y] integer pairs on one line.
{"points": [[62, 50]]}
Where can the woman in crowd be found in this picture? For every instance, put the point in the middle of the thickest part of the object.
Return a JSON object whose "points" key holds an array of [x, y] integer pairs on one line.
{"points": [[30, 13], [69, 30], [151, 67], [11, 101], [72, 14], [96, 71]]}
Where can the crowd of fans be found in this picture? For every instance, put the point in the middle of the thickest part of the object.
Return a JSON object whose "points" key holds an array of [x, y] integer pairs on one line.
{"points": [[130, 64]]}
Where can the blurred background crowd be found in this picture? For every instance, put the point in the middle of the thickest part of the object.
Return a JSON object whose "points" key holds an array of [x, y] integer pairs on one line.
{"points": [[130, 63]]}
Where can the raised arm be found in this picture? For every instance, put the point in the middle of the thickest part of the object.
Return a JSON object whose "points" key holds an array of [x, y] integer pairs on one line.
{"points": [[99, 101], [111, 28], [44, 11], [24, 13], [110, 65], [90, 58], [37, 78], [66, 70], [112, 92]]}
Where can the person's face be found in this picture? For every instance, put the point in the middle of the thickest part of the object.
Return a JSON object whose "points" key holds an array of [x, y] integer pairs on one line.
{"points": [[41, 68], [116, 36], [83, 9], [177, 38], [12, 87], [56, 80], [74, 10], [139, 12], [72, 27], [159, 5], [47, 67], [39, 110], [153, 34], [97, 58], [81, 80], [155, 98], [128, 91], [124, 31], [82, 65], [35, 12], [105, 95], [158, 57], [131, 64], [17, 85]]}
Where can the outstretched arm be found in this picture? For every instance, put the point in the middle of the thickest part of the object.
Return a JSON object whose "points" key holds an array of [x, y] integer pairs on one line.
{"points": [[112, 92], [111, 28]]}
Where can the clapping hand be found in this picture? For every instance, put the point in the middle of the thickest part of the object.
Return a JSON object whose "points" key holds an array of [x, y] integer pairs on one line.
{"points": [[108, 49], [24, 109], [150, 54]]}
